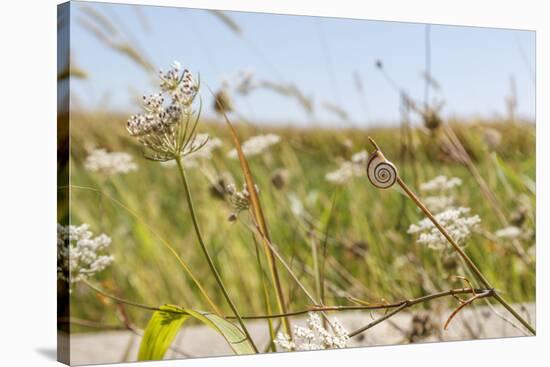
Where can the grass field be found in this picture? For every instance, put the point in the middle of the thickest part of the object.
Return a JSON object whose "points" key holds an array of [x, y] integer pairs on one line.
{"points": [[361, 230]]}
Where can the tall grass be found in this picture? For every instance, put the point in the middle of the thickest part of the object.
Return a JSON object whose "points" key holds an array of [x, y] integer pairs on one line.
{"points": [[369, 256]]}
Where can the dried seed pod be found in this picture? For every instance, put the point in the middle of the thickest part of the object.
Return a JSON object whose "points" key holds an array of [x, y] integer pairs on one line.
{"points": [[223, 102], [279, 178], [432, 120], [380, 171]]}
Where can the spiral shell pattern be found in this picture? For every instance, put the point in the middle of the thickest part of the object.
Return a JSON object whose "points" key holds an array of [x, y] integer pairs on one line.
{"points": [[381, 173]]}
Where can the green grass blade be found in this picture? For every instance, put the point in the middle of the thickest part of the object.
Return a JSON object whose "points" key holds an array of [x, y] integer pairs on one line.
{"points": [[164, 326]]}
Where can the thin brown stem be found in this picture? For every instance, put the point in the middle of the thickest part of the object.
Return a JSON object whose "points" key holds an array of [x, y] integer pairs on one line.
{"points": [[258, 215], [396, 306], [445, 233], [378, 306], [464, 256], [470, 264], [464, 304], [409, 303]]}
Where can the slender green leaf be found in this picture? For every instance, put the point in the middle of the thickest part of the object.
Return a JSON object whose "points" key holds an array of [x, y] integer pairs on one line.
{"points": [[160, 332], [234, 336], [164, 326]]}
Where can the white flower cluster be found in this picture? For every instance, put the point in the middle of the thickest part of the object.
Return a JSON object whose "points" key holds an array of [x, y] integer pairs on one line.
{"points": [[207, 146], [349, 169], [440, 198], [314, 336], [256, 145], [454, 220], [168, 131], [99, 160], [79, 254], [510, 232], [182, 88], [296, 205], [438, 203], [441, 183], [156, 120], [360, 157]]}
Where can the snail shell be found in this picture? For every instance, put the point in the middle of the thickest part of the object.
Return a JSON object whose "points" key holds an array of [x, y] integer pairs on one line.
{"points": [[381, 172]]}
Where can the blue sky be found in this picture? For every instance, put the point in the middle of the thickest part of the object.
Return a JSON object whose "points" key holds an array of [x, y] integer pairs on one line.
{"points": [[320, 55]]}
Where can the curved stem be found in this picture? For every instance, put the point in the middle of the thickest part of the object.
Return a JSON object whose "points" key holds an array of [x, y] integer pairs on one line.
{"points": [[386, 306], [464, 256], [172, 250], [444, 232], [207, 254], [469, 262], [397, 306]]}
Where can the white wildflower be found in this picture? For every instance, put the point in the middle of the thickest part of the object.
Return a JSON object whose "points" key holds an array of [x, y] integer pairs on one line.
{"points": [[283, 341], [344, 173], [296, 205], [349, 169], [360, 157], [454, 220], [439, 203], [79, 254], [440, 187], [181, 88], [99, 160], [510, 232], [314, 336], [168, 131], [256, 145], [441, 183]]}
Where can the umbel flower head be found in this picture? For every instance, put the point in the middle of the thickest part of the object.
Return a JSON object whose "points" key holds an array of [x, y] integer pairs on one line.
{"points": [[455, 220], [314, 336], [256, 145], [110, 163], [349, 169], [440, 190], [80, 255], [167, 127]]}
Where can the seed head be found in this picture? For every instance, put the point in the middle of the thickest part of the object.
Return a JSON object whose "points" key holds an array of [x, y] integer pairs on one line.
{"points": [[240, 200], [167, 130]]}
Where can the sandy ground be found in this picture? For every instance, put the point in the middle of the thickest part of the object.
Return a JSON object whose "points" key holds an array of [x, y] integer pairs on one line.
{"points": [[200, 341]]}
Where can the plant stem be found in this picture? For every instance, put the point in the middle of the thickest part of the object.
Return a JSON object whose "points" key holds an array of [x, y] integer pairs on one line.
{"points": [[471, 265], [444, 232], [207, 254], [265, 294], [186, 267], [463, 255], [261, 226], [378, 306], [397, 306]]}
